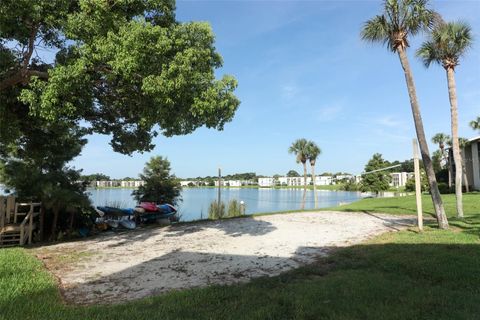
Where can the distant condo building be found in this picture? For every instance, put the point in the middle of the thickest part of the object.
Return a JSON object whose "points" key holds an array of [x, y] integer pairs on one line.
{"points": [[399, 179], [132, 183], [294, 181], [117, 184], [229, 183], [472, 162]]}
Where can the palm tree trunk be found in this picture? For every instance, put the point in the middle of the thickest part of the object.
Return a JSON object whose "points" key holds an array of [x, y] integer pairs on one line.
{"points": [[304, 185], [314, 185], [464, 170], [452, 93], [422, 141]]}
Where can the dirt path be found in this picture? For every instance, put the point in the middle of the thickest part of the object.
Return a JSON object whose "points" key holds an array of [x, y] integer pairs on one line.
{"points": [[116, 267]]}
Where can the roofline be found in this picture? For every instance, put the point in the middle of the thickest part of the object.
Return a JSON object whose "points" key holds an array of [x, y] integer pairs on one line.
{"points": [[474, 139]]}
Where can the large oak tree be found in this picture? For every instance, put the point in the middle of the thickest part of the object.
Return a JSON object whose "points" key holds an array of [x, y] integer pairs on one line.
{"points": [[122, 67]]}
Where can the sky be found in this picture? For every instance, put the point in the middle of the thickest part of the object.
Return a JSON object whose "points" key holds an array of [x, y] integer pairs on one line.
{"points": [[303, 72]]}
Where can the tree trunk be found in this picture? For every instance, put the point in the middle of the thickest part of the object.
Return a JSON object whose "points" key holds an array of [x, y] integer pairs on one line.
{"points": [[304, 185], [53, 232], [464, 170], [422, 141], [452, 93], [314, 186]]}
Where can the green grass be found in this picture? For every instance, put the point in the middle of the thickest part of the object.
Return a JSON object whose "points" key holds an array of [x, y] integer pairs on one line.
{"points": [[407, 205], [402, 275]]}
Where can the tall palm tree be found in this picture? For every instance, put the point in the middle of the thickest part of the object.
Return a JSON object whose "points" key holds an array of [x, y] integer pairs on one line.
{"points": [[313, 151], [475, 124], [300, 148], [401, 19], [441, 139], [447, 44]]}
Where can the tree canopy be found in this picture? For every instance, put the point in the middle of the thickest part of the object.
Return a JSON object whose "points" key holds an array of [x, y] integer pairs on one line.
{"points": [[124, 68], [376, 181]]}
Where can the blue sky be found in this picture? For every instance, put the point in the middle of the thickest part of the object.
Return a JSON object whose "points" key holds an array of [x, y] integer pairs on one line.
{"points": [[303, 72]]}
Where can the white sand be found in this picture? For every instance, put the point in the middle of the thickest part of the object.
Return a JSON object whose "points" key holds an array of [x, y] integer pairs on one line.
{"points": [[115, 267]]}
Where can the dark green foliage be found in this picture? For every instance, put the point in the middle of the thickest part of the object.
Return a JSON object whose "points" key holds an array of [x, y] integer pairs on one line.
{"points": [[97, 177], [36, 168], [377, 181], [160, 185], [350, 185], [293, 173]]}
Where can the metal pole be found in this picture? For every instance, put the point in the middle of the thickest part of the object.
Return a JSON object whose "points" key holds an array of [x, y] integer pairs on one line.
{"points": [[219, 189], [418, 188]]}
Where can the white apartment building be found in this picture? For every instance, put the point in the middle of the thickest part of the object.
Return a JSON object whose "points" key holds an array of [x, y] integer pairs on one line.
{"points": [[107, 184], [132, 183], [399, 179], [265, 182], [294, 181]]}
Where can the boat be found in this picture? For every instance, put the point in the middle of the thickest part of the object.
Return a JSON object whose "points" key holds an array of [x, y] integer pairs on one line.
{"points": [[145, 212], [151, 212]]}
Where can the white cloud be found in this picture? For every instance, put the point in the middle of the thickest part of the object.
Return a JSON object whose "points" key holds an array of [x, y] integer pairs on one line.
{"points": [[389, 121], [330, 112]]}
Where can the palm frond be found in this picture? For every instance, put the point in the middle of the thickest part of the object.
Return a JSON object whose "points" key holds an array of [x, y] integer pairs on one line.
{"points": [[447, 44], [428, 53]]}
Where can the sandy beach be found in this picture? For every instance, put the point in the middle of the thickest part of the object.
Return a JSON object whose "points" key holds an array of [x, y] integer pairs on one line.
{"points": [[117, 267]]}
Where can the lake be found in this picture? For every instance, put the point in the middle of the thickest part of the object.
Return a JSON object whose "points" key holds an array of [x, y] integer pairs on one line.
{"points": [[196, 201]]}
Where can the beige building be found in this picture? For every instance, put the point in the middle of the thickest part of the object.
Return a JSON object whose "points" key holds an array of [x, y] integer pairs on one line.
{"points": [[472, 162]]}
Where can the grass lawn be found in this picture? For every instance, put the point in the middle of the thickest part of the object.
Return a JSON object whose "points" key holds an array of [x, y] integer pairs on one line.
{"points": [[402, 275], [407, 205]]}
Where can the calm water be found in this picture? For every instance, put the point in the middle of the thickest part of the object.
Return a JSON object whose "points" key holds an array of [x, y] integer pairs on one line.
{"points": [[197, 200]]}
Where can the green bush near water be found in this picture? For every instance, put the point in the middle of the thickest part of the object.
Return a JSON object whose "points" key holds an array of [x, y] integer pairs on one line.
{"points": [[233, 209], [216, 210]]}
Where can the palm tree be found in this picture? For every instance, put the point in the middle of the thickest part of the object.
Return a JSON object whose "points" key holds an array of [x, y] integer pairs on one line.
{"points": [[441, 139], [447, 44], [299, 148], [463, 142], [475, 124], [401, 19], [313, 151]]}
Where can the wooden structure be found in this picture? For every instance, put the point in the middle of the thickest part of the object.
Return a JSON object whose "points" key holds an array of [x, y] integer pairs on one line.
{"points": [[17, 221]]}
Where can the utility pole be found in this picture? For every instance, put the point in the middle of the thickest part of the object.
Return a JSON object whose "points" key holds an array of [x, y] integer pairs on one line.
{"points": [[219, 189], [418, 186]]}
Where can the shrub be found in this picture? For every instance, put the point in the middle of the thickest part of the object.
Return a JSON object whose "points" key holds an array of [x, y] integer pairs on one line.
{"points": [[234, 209], [216, 210]]}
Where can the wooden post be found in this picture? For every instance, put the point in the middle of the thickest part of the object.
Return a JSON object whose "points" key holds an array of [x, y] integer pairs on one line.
{"points": [[30, 224], [10, 208], [219, 190], [418, 186], [3, 212]]}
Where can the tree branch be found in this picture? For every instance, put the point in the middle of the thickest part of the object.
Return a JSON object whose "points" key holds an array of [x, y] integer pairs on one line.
{"points": [[21, 77]]}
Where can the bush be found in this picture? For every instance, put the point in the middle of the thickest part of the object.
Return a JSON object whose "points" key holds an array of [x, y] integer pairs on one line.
{"points": [[234, 209], [216, 210], [444, 189]]}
